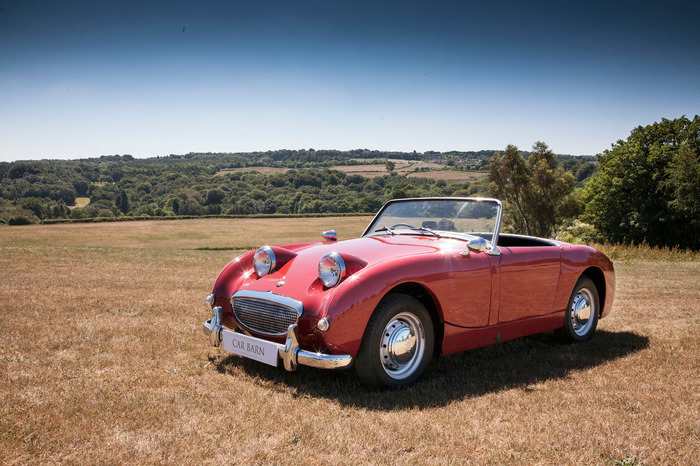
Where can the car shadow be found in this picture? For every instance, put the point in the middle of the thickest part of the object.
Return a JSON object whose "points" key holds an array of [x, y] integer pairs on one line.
{"points": [[520, 363]]}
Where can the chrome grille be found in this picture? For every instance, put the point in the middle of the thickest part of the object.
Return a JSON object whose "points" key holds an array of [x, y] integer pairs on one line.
{"points": [[269, 314]]}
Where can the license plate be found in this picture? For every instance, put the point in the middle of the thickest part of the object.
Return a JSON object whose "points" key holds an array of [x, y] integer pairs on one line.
{"points": [[249, 347]]}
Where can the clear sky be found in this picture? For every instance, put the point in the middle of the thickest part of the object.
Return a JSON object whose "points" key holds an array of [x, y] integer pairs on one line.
{"points": [[146, 78]]}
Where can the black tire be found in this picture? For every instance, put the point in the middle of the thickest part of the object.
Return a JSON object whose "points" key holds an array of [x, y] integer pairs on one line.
{"points": [[398, 343], [582, 312]]}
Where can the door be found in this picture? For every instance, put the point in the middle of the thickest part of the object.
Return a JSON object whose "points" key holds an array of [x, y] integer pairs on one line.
{"points": [[529, 278], [463, 288]]}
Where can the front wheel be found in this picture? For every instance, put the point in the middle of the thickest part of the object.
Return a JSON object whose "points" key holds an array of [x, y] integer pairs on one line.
{"points": [[398, 343], [581, 312]]}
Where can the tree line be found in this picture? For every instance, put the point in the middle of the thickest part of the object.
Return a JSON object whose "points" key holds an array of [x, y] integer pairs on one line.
{"points": [[194, 185], [645, 189]]}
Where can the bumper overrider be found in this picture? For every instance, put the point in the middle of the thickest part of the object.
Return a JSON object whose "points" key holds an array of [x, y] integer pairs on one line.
{"points": [[269, 352]]}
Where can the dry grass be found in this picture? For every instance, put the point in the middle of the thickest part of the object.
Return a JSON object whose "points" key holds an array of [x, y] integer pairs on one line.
{"points": [[244, 233], [401, 167], [627, 253], [102, 360], [410, 168], [368, 170], [261, 170], [450, 175]]}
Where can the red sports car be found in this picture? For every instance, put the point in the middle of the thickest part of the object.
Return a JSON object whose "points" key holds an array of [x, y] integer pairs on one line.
{"points": [[428, 276]]}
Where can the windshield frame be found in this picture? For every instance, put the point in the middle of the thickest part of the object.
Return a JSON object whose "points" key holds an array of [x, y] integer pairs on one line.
{"points": [[493, 249]]}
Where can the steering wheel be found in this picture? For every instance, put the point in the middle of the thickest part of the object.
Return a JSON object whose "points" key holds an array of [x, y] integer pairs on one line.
{"points": [[402, 225]]}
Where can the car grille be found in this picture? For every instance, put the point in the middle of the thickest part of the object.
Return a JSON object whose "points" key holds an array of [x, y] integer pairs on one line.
{"points": [[264, 315]]}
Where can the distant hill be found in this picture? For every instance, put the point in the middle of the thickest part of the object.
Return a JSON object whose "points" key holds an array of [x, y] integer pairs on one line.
{"points": [[283, 182]]}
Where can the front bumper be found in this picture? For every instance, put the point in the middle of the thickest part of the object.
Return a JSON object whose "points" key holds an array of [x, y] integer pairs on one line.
{"points": [[289, 352]]}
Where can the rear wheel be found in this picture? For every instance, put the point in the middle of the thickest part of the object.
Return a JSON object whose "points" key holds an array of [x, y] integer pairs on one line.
{"points": [[398, 343], [581, 312]]}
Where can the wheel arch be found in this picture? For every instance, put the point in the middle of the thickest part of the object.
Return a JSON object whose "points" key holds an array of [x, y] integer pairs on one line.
{"points": [[426, 298], [598, 278]]}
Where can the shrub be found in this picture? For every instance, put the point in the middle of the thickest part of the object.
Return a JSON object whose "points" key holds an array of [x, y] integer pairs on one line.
{"points": [[20, 220]]}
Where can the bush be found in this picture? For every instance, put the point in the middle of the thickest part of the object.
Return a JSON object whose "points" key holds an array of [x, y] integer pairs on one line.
{"points": [[20, 220], [647, 189]]}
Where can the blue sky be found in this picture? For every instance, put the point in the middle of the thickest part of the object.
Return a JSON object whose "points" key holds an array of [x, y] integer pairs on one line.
{"points": [[89, 78]]}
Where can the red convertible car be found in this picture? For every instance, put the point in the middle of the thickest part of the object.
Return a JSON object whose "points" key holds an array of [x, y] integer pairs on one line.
{"points": [[428, 276]]}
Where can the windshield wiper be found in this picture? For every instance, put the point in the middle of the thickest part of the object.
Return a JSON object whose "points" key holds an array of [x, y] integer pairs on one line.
{"points": [[432, 232], [385, 228]]}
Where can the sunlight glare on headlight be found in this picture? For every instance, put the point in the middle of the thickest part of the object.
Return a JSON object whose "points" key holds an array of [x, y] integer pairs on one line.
{"points": [[331, 269], [264, 261]]}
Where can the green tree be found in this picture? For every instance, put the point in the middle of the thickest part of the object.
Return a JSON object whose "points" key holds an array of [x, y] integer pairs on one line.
{"points": [[550, 197], [537, 193], [647, 188], [215, 196], [509, 182], [123, 201]]}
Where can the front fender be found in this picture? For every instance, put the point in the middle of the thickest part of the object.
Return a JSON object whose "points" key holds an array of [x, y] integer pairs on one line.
{"points": [[355, 299], [233, 275]]}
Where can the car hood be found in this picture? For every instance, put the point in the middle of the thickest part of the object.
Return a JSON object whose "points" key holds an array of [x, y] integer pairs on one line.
{"points": [[297, 275], [379, 248]]}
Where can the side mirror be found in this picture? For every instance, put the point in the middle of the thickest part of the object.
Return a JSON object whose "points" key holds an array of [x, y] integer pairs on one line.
{"points": [[477, 244], [330, 235]]}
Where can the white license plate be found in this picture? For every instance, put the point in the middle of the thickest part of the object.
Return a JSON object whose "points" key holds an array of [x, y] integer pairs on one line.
{"points": [[252, 348]]}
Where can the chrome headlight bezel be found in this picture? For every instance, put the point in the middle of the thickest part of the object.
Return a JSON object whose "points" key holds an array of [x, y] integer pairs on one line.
{"points": [[331, 269], [264, 261]]}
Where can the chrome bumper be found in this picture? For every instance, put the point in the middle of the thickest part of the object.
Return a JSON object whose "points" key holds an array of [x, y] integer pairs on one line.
{"points": [[289, 352]]}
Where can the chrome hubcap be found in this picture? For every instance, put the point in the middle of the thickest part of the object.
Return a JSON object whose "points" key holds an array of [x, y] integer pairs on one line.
{"points": [[582, 312], [402, 345]]}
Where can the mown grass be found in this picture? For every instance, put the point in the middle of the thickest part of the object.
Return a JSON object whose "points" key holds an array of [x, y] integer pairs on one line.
{"points": [[102, 360], [81, 202]]}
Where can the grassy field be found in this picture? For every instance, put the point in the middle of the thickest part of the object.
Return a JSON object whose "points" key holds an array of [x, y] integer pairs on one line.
{"points": [[262, 170], [411, 168], [102, 360], [81, 201], [450, 175], [236, 234]]}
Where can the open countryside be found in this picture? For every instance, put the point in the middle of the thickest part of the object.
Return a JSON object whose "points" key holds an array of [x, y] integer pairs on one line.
{"points": [[104, 361], [417, 169], [145, 145]]}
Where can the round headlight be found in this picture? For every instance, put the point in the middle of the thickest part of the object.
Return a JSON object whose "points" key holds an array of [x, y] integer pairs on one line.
{"points": [[331, 269], [264, 261]]}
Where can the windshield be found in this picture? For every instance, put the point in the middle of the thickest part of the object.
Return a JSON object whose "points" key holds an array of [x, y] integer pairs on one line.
{"points": [[450, 217]]}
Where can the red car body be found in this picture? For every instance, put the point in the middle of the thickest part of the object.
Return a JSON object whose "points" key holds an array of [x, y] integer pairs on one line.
{"points": [[521, 287]]}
